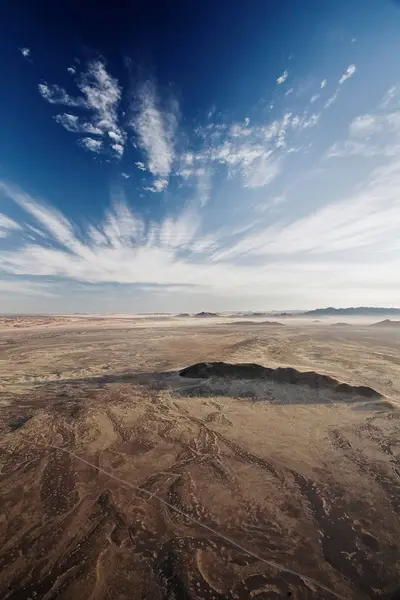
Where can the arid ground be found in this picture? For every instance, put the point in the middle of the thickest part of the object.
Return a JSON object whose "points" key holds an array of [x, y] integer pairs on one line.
{"points": [[121, 479]]}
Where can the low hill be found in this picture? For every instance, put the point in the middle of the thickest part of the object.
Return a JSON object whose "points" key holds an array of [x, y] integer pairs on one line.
{"points": [[387, 323], [258, 323]]}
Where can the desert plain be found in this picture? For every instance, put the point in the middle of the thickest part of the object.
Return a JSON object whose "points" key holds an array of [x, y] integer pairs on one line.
{"points": [[120, 478]]}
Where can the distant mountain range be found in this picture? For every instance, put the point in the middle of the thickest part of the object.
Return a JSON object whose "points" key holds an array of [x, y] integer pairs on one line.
{"points": [[353, 310]]}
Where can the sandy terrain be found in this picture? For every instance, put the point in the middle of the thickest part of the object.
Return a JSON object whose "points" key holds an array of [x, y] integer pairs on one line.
{"points": [[119, 478]]}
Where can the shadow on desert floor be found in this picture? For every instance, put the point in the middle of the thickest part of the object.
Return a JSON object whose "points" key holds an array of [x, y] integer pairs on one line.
{"points": [[257, 390]]}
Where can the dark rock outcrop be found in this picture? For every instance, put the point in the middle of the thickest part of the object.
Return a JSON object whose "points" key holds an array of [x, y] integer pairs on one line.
{"points": [[280, 375]]}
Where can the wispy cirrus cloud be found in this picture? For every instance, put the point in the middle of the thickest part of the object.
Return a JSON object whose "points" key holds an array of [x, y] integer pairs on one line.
{"points": [[254, 152], [351, 69], [372, 134], [282, 78], [54, 94], [100, 97], [155, 130], [26, 52], [76, 125], [7, 225], [90, 144], [27, 288], [329, 246]]}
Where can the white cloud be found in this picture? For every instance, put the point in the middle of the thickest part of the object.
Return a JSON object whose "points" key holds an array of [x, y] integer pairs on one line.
{"points": [[370, 135], [366, 221], [159, 185], [312, 121], [35, 230], [54, 94], [91, 144], [239, 130], [263, 172], [323, 83], [71, 70], [203, 188], [76, 125], [26, 288], [26, 52], [116, 137], [364, 125], [254, 152], [332, 99], [352, 148], [351, 69], [7, 223], [282, 78], [390, 96], [300, 234], [101, 95], [118, 149], [351, 242], [155, 130]]}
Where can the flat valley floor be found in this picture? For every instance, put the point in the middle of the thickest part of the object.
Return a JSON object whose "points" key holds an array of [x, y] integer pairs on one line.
{"points": [[119, 479]]}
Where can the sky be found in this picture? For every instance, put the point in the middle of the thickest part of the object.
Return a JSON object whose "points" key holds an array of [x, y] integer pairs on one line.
{"points": [[180, 156]]}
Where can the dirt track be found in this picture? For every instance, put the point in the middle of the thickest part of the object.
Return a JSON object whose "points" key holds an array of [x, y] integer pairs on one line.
{"points": [[239, 494]]}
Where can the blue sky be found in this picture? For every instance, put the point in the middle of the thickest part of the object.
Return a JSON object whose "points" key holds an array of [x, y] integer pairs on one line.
{"points": [[185, 158]]}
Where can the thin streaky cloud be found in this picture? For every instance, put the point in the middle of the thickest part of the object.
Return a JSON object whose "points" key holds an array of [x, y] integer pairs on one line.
{"points": [[7, 223], [27, 288], [26, 52], [351, 69], [282, 78], [74, 124], [100, 97], [388, 98], [91, 144], [253, 152], [54, 94], [369, 135], [123, 248], [155, 130], [332, 99]]}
